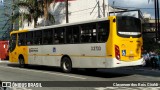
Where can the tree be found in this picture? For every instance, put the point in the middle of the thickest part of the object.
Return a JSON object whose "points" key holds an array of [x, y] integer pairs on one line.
{"points": [[48, 17], [156, 6], [31, 10]]}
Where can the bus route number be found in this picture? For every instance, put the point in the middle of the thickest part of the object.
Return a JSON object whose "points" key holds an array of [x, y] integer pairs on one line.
{"points": [[95, 48]]}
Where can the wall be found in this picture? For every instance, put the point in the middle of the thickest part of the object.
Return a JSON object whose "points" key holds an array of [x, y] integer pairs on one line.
{"points": [[79, 10]]}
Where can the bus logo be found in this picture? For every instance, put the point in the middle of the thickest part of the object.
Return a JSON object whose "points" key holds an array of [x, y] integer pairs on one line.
{"points": [[123, 52], [54, 49]]}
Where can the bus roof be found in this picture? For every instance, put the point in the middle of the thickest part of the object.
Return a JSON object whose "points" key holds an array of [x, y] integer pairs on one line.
{"points": [[19, 31], [63, 25]]}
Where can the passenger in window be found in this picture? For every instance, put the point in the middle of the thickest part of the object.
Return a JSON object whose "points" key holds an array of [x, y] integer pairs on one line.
{"points": [[28, 43], [56, 41], [46, 42], [82, 38], [90, 39]]}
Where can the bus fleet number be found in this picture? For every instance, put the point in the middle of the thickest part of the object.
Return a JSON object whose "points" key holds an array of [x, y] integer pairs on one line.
{"points": [[95, 48]]}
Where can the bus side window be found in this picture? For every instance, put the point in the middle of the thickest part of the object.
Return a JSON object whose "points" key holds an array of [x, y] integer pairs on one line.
{"points": [[56, 41], [28, 43], [72, 34], [69, 35], [76, 34], [103, 31], [37, 37], [88, 33], [29, 38], [21, 39], [59, 36], [47, 36]]}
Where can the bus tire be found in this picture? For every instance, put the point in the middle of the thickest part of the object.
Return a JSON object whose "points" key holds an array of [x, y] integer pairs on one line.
{"points": [[66, 64], [21, 62]]}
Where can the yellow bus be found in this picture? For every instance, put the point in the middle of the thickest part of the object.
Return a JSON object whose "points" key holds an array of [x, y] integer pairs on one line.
{"points": [[102, 43]]}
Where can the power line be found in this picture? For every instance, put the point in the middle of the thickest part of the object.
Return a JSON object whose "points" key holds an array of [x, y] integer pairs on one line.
{"points": [[133, 7], [77, 11]]}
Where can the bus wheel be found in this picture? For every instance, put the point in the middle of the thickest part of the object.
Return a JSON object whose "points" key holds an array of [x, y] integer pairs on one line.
{"points": [[66, 65], [21, 62]]}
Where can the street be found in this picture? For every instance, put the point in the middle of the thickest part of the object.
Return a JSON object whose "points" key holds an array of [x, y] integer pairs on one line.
{"points": [[11, 72]]}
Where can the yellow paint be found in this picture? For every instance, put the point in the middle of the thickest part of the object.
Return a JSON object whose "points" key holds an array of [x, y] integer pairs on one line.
{"points": [[88, 56], [19, 50], [131, 45]]}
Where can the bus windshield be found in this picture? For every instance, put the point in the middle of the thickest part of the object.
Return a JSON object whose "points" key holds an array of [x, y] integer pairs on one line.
{"points": [[128, 27]]}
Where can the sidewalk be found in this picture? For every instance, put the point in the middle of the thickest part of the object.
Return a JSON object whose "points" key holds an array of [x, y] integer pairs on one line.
{"points": [[4, 61], [141, 68]]}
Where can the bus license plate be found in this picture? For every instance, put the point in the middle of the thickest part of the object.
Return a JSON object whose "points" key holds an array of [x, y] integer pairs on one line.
{"points": [[131, 57]]}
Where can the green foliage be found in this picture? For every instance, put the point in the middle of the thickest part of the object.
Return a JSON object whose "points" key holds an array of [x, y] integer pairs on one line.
{"points": [[150, 44], [34, 8]]}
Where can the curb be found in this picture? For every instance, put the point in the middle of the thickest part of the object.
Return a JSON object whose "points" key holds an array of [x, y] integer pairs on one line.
{"points": [[144, 69], [152, 70], [6, 61]]}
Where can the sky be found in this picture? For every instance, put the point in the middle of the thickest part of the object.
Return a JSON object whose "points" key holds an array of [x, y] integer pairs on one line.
{"points": [[143, 5], [1, 1]]}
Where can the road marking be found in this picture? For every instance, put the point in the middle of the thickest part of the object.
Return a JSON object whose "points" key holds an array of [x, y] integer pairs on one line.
{"points": [[58, 74], [101, 88], [19, 89]]}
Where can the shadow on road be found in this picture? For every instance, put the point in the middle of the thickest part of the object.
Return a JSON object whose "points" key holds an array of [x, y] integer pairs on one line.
{"points": [[102, 73]]}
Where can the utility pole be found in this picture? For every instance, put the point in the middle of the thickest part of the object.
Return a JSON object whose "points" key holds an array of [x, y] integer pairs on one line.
{"points": [[103, 8], [66, 2], [99, 15], [157, 29], [99, 9], [113, 7], [158, 19], [12, 27]]}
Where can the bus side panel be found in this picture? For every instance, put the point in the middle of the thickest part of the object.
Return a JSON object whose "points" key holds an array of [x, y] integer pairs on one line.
{"points": [[23, 50], [51, 56], [44, 55], [13, 56], [35, 55], [19, 50], [82, 55], [88, 56]]}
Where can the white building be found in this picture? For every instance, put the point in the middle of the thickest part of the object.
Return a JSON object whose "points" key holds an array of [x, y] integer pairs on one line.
{"points": [[78, 10]]}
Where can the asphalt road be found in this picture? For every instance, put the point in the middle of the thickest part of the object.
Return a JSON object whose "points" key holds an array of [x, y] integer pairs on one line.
{"points": [[90, 80]]}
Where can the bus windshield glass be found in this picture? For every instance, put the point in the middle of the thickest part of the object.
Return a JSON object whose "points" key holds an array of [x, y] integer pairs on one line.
{"points": [[128, 26]]}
